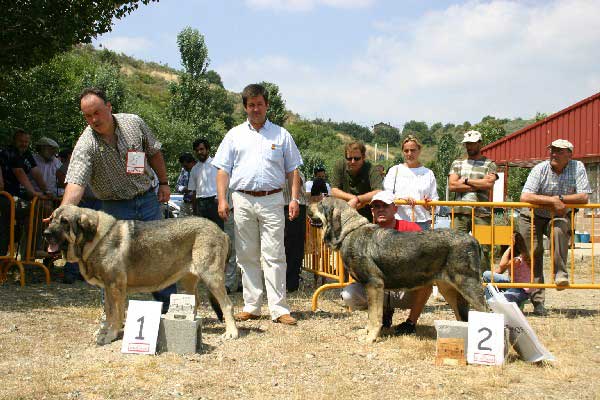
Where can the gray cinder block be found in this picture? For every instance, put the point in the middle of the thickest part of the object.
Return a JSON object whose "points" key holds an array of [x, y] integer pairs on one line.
{"points": [[452, 329], [179, 336]]}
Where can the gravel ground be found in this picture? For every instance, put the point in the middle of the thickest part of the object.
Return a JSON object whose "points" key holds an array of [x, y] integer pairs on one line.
{"points": [[47, 351]]}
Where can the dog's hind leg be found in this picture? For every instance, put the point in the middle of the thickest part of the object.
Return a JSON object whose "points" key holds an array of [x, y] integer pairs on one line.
{"points": [[375, 311], [454, 299], [215, 283], [189, 285]]}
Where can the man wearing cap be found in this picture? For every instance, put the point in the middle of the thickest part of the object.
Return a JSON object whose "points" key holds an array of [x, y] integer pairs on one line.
{"points": [[355, 296], [254, 160], [552, 184], [48, 163], [355, 179], [471, 179]]}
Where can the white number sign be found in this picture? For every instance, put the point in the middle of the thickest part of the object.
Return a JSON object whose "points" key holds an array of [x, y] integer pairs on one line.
{"points": [[141, 327], [486, 338]]}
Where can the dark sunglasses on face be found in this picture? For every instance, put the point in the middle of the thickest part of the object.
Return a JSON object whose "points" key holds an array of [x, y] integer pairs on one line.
{"points": [[356, 159]]}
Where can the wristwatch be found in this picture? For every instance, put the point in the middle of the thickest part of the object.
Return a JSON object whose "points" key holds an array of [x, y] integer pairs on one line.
{"points": [[296, 200], [561, 198], [466, 181]]}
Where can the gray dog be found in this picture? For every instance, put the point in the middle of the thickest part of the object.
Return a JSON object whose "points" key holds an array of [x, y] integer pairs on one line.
{"points": [[132, 256], [387, 259]]}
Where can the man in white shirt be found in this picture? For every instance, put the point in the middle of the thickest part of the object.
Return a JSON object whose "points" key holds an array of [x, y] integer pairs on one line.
{"points": [[254, 160], [46, 160], [318, 173], [203, 184]]}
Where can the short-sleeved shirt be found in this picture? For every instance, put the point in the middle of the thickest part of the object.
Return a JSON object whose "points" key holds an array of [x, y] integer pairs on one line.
{"points": [[366, 180], [103, 167], [543, 180], [257, 160], [12, 159], [48, 170], [417, 183], [203, 179], [473, 169]]}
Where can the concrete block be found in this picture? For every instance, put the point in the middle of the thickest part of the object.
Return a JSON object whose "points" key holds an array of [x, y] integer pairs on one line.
{"points": [[452, 329], [179, 336]]}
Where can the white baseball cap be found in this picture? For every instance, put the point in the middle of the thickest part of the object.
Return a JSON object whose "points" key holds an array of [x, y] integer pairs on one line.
{"points": [[561, 144], [472, 137], [384, 196]]}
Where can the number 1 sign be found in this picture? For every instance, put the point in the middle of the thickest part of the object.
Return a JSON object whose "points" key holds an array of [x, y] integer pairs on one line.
{"points": [[486, 338], [141, 327]]}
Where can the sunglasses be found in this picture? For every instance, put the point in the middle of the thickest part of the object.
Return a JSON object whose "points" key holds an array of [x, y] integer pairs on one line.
{"points": [[353, 158]]}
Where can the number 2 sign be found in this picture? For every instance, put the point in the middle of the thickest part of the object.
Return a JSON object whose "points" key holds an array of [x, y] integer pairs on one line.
{"points": [[141, 327], [486, 338]]}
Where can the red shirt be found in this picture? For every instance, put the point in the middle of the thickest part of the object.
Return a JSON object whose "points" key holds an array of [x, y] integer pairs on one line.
{"points": [[407, 226]]}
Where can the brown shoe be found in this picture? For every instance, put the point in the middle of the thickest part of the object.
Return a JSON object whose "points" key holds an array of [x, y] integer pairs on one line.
{"points": [[286, 319], [245, 316]]}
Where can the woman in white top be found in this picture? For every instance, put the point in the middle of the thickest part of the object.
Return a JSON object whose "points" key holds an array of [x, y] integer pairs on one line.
{"points": [[411, 181]]}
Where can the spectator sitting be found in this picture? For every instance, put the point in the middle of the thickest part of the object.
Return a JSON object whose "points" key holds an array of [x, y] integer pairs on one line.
{"points": [[521, 271], [318, 173], [48, 164], [355, 296]]}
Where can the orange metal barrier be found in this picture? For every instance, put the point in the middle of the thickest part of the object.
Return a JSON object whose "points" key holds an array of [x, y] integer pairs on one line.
{"points": [[36, 213], [322, 261]]}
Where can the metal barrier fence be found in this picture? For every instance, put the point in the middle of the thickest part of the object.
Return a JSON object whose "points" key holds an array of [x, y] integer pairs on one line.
{"points": [[322, 261], [37, 210]]}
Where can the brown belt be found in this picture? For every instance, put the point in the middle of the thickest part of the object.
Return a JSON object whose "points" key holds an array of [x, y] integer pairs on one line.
{"points": [[260, 193]]}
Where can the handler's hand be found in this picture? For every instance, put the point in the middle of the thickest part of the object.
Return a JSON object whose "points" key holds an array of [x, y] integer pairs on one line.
{"points": [[223, 209], [294, 210], [164, 193], [558, 206], [410, 201], [354, 202]]}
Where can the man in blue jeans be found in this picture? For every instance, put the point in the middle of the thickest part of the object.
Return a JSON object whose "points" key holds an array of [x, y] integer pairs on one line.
{"points": [[116, 155]]}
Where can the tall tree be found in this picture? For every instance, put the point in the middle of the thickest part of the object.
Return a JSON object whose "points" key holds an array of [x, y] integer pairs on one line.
{"points": [[448, 150], [34, 31], [276, 113], [194, 98]]}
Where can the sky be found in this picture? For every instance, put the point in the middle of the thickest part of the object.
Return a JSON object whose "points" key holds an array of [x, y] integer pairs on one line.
{"points": [[392, 61]]}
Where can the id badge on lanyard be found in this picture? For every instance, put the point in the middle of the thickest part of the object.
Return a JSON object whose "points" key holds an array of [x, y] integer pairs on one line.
{"points": [[136, 162]]}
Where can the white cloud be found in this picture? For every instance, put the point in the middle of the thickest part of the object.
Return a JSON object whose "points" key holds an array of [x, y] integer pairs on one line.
{"points": [[127, 45], [306, 5], [501, 58]]}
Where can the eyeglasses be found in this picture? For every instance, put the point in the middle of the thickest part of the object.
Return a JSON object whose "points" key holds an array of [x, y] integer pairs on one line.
{"points": [[356, 159]]}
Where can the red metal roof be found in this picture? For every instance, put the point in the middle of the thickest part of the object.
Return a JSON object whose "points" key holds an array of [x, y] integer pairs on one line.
{"points": [[579, 124]]}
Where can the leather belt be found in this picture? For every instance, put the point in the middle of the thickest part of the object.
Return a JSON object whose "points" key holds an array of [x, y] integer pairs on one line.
{"points": [[260, 193]]}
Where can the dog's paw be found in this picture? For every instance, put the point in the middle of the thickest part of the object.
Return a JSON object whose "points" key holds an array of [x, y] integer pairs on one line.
{"points": [[230, 335], [104, 337]]}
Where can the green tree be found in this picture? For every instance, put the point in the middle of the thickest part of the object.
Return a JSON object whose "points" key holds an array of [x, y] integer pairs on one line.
{"points": [[276, 113], [448, 150], [491, 129], [43, 99], [194, 99], [34, 31], [214, 78]]}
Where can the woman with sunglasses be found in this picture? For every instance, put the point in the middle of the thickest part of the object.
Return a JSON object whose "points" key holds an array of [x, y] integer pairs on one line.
{"points": [[411, 181]]}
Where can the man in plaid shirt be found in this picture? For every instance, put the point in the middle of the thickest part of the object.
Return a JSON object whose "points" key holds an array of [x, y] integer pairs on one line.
{"points": [[552, 184]]}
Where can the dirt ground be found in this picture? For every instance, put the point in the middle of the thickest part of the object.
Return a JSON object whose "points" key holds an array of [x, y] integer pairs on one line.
{"points": [[47, 351]]}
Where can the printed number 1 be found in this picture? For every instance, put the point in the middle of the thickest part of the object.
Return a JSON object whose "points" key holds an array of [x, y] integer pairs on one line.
{"points": [[141, 321], [485, 339]]}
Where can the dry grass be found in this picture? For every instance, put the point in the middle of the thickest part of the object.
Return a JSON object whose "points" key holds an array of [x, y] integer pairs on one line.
{"points": [[47, 351]]}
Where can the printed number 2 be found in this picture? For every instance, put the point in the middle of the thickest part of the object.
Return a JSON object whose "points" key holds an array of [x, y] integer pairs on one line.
{"points": [[479, 345], [141, 321]]}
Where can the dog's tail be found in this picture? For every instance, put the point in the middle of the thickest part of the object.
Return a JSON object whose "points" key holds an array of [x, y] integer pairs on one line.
{"points": [[212, 300]]}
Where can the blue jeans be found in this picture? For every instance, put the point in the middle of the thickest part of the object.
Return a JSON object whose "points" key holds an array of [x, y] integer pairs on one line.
{"points": [[515, 295], [144, 207]]}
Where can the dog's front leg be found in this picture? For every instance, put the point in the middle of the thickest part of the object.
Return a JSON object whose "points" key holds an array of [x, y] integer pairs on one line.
{"points": [[114, 308], [375, 311]]}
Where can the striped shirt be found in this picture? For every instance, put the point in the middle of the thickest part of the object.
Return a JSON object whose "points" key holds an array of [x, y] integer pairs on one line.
{"points": [[544, 181], [473, 169], [103, 167]]}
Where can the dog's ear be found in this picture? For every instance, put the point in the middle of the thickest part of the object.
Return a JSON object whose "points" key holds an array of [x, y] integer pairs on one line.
{"points": [[88, 225], [333, 227]]}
